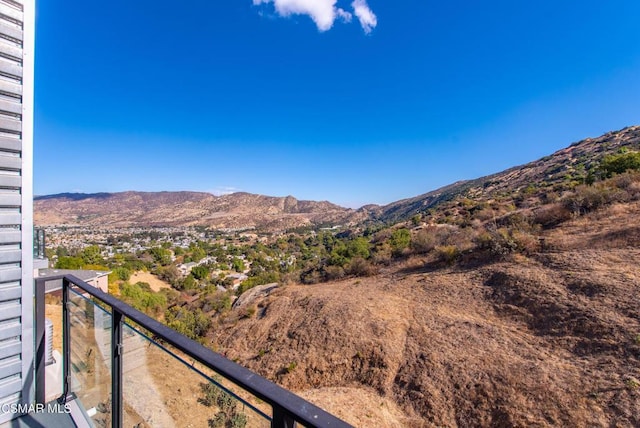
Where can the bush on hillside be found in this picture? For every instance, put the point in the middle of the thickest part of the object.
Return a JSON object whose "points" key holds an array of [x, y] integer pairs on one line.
{"points": [[423, 242], [505, 241], [447, 254], [620, 163], [399, 241], [361, 267], [551, 215], [589, 198], [191, 323]]}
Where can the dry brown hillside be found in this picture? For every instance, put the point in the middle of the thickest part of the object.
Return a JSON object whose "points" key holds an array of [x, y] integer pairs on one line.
{"points": [[560, 171], [145, 209], [550, 339]]}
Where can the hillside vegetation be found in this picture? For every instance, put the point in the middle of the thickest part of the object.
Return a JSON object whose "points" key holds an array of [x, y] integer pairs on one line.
{"points": [[508, 307], [564, 169], [547, 337], [511, 300]]}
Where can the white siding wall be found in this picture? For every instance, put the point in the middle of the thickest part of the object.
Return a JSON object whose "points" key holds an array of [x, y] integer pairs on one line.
{"points": [[17, 28]]}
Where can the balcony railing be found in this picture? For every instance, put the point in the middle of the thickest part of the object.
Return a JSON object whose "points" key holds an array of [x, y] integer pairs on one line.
{"points": [[39, 243], [126, 369]]}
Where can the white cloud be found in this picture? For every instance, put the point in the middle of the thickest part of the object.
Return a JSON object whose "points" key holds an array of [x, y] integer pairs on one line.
{"points": [[324, 12], [343, 14], [365, 15]]}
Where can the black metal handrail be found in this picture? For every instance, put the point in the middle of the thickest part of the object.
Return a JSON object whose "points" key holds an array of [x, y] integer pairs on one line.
{"points": [[287, 407]]}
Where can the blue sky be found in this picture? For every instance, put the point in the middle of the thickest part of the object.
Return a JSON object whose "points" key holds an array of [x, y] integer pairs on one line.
{"points": [[354, 102]]}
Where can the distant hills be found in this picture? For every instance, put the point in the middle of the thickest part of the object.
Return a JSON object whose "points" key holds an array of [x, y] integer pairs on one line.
{"points": [[233, 211], [245, 210]]}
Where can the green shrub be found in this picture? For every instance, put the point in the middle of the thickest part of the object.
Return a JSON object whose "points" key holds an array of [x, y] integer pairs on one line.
{"points": [[218, 421], [358, 247], [141, 297], [228, 416], [211, 392], [259, 279], [120, 274], [619, 163], [226, 403], [400, 239], [192, 323], [238, 420], [218, 301], [447, 253], [200, 272], [291, 367]]}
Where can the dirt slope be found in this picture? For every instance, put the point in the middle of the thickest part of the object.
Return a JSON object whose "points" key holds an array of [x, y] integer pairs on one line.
{"points": [[548, 340]]}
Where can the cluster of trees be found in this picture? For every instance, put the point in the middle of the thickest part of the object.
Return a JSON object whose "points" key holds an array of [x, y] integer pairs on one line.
{"points": [[88, 258], [141, 297], [620, 163]]}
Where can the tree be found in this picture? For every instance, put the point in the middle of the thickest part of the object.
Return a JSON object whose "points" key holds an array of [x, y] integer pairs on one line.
{"points": [[140, 296], [67, 262], [200, 272], [92, 255], [198, 254], [189, 283], [358, 247], [118, 259], [170, 273], [161, 255], [263, 278], [617, 164], [237, 264], [400, 239], [120, 273], [191, 323], [62, 251]]}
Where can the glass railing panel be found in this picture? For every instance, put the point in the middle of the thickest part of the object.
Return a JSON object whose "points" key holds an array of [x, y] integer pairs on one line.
{"points": [[211, 373], [90, 356], [162, 389]]}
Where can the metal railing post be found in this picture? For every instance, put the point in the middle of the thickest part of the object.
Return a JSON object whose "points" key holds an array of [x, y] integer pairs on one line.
{"points": [[66, 341], [40, 343], [116, 369], [281, 418]]}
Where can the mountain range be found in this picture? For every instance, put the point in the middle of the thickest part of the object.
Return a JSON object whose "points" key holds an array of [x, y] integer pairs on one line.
{"points": [[248, 211], [234, 211]]}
